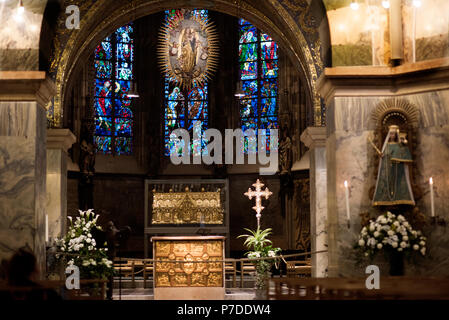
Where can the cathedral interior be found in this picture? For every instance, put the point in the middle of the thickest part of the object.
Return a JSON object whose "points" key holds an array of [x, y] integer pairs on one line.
{"points": [[350, 97]]}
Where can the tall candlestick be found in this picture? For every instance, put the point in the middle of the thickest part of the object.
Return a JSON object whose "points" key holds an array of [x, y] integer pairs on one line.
{"points": [[432, 200], [46, 228], [347, 201]]}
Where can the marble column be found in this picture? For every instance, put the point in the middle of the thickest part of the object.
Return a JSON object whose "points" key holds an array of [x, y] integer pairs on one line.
{"points": [[59, 141], [315, 139], [23, 96]]}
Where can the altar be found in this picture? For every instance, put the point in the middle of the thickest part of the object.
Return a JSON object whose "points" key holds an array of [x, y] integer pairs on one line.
{"points": [[188, 267]]}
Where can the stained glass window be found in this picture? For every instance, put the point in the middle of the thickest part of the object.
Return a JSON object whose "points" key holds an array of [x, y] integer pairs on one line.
{"points": [[114, 58], [184, 107], [258, 58]]}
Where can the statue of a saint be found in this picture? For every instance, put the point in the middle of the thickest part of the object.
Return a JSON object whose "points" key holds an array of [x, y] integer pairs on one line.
{"points": [[285, 152], [393, 181], [189, 44]]}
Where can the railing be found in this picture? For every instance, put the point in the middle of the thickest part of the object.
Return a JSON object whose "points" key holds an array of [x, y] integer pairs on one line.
{"points": [[132, 267]]}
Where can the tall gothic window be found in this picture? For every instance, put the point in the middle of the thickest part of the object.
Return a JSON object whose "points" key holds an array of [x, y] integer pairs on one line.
{"points": [[258, 55], [114, 58], [184, 107]]}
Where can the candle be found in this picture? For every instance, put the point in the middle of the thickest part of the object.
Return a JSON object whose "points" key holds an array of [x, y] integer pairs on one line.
{"points": [[432, 200], [347, 200], [46, 228]]}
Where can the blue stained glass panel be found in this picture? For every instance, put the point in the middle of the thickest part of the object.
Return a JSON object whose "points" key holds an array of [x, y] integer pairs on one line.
{"points": [[124, 34], [265, 37], [269, 88], [248, 52], [250, 123], [123, 108], [175, 109], [103, 51], [103, 107], [250, 88], [270, 69], [104, 144], [175, 94], [248, 34], [124, 70], [103, 88], [122, 89], [103, 126], [123, 146], [269, 123], [198, 93], [269, 50], [172, 124], [243, 22], [125, 51], [123, 127], [268, 107], [103, 69], [196, 109], [248, 70], [248, 108]]}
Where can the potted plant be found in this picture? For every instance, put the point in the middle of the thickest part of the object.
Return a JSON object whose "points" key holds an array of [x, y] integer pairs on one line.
{"points": [[395, 237], [79, 248], [261, 247]]}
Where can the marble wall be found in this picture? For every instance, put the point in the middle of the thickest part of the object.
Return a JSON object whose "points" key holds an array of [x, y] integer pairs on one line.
{"points": [[351, 157], [22, 178], [20, 51]]}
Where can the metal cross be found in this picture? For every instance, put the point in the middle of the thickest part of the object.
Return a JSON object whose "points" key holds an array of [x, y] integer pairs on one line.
{"points": [[258, 194]]}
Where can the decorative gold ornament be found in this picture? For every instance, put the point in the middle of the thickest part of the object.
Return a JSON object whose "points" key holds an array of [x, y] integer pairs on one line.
{"points": [[187, 208], [258, 194], [202, 273], [189, 47]]}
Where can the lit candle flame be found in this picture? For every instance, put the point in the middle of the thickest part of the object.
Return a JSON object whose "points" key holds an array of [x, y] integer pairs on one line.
{"points": [[346, 184], [431, 180]]}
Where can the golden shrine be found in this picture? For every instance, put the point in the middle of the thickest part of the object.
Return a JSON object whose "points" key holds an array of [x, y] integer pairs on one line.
{"points": [[187, 207], [190, 267]]}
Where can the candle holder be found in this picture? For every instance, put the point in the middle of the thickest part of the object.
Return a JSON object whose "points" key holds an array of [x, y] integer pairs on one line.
{"points": [[438, 221]]}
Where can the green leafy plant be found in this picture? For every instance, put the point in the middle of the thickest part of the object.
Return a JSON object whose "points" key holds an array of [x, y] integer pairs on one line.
{"points": [[261, 247]]}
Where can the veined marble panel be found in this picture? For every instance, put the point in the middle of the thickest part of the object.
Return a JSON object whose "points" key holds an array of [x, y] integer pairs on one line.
{"points": [[22, 179], [355, 113], [18, 118]]}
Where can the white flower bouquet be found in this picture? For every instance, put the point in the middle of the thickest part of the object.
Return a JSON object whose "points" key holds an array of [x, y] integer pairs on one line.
{"points": [[81, 249], [392, 233]]}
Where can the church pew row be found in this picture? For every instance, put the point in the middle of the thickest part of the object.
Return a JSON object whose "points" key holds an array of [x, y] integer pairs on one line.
{"points": [[391, 288], [132, 267], [90, 289]]}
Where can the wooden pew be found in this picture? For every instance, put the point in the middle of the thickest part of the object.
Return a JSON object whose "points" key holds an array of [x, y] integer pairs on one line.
{"points": [[231, 268], [354, 288], [301, 268]]}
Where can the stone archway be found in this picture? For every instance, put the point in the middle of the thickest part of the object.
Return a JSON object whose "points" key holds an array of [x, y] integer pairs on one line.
{"points": [[272, 17]]}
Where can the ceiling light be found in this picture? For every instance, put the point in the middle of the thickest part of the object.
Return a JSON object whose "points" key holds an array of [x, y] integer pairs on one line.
{"points": [[354, 6], [417, 3]]}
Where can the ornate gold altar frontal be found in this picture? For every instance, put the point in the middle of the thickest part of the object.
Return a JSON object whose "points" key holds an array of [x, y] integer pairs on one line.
{"points": [[203, 273], [187, 207]]}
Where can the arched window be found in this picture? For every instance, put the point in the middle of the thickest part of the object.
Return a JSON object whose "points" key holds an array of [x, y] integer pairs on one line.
{"points": [[184, 107], [114, 58], [258, 55]]}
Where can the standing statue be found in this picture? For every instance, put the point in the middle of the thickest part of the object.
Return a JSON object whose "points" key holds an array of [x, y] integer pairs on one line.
{"points": [[285, 153], [393, 181], [87, 170]]}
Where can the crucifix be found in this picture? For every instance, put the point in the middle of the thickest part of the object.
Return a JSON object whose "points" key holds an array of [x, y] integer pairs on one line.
{"points": [[258, 194]]}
